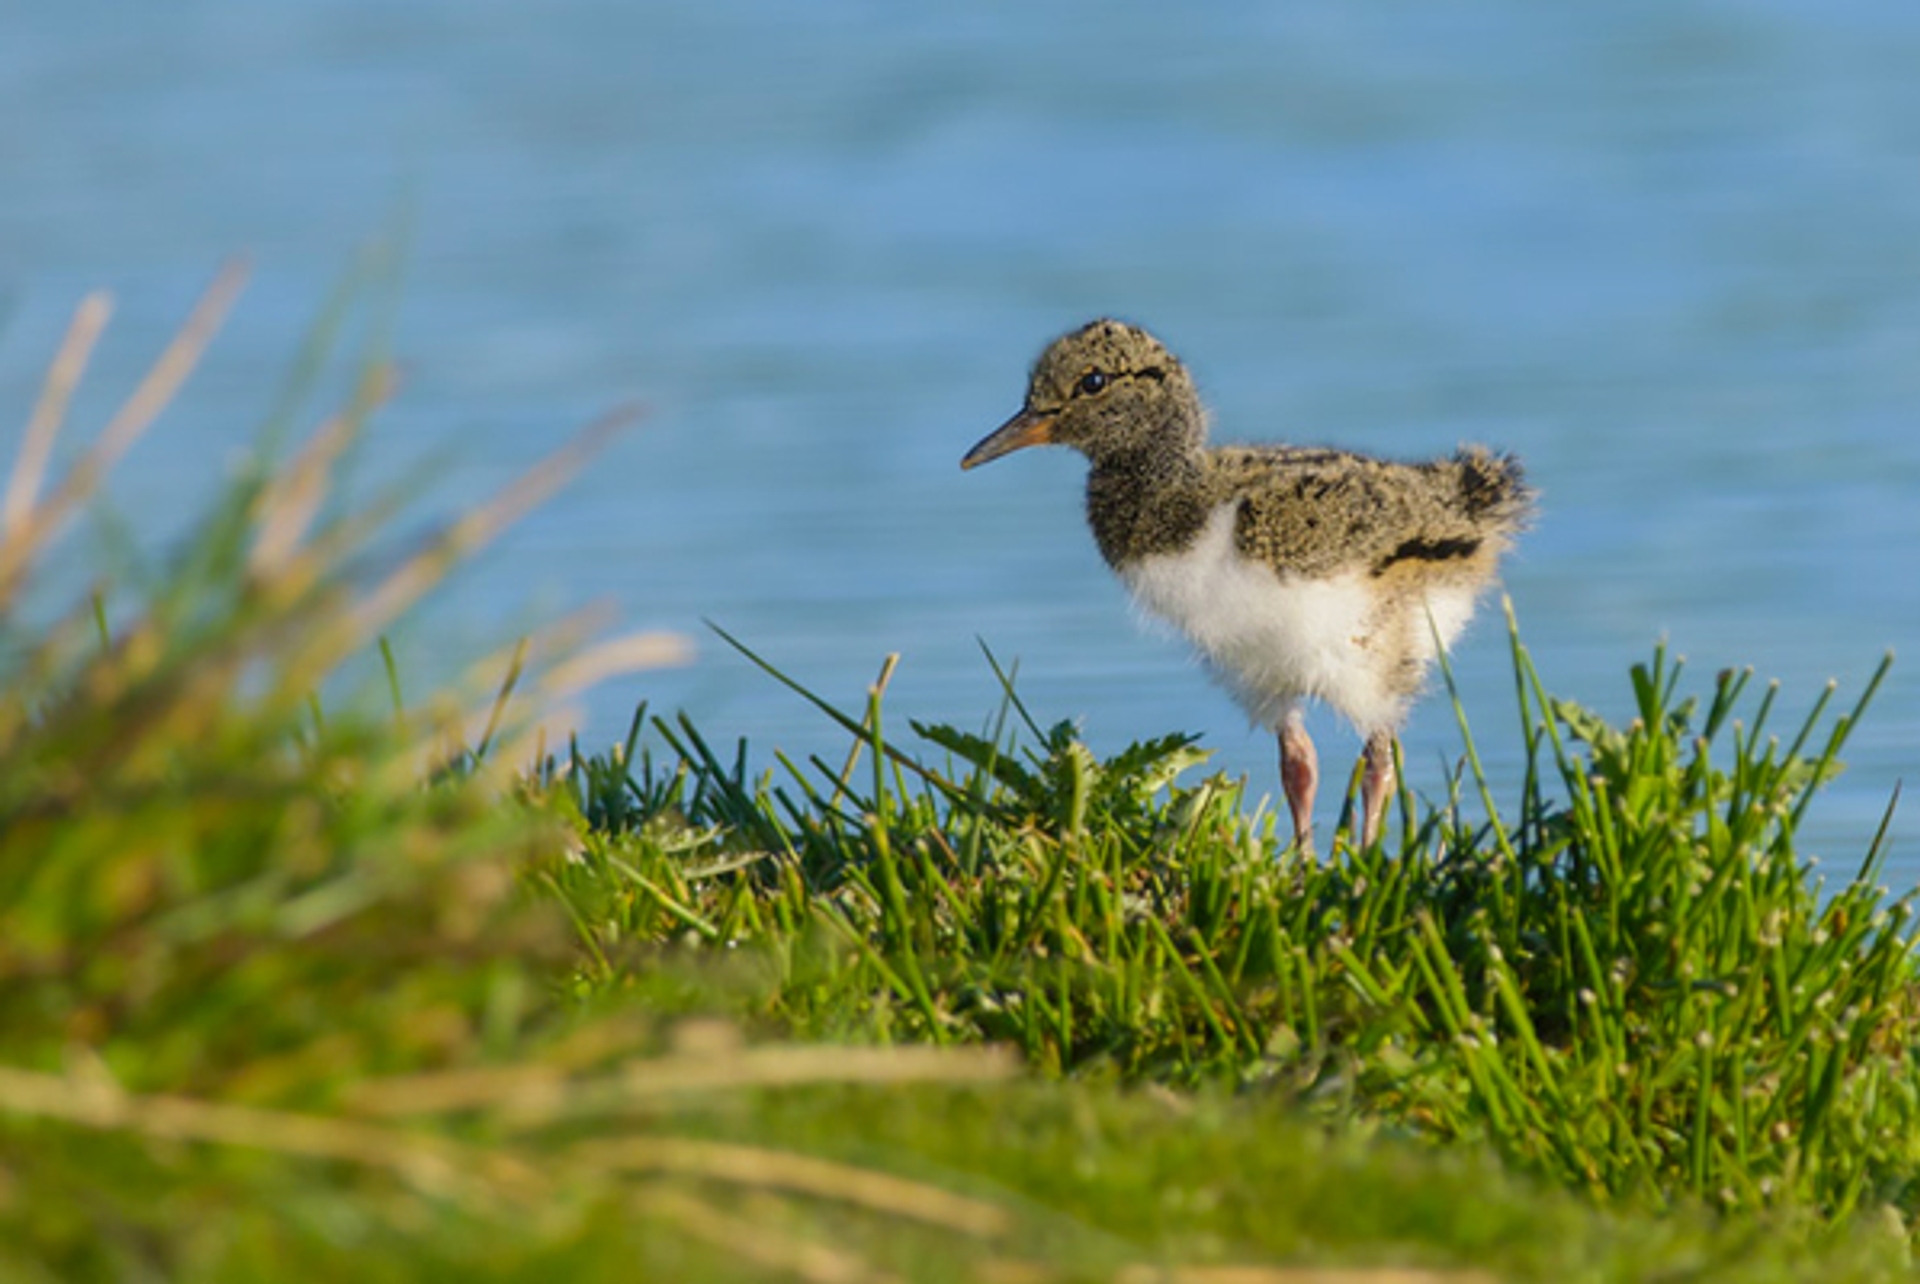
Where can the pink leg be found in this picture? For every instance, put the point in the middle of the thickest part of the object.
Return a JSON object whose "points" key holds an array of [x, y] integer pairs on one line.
{"points": [[1300, 777], [1376, 785]]}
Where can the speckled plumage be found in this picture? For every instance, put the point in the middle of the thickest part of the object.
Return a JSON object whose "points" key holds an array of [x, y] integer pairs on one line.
{"points": [[1340, 567]]}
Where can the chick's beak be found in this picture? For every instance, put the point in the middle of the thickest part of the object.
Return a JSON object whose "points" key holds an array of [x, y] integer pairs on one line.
{"points": [[1028, 428]]}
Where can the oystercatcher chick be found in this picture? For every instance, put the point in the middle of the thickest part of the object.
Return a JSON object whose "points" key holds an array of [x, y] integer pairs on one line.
{"points": [[1299, 573]]}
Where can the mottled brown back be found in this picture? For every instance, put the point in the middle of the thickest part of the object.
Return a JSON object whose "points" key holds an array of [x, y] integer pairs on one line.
{"points": [[1320, 512]]}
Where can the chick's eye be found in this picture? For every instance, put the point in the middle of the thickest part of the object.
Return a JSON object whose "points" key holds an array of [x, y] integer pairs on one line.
{"points": [[1093, 381]]}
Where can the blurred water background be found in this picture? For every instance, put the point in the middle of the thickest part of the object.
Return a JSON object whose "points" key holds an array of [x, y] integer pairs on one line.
{"points": [[1669, 253]]}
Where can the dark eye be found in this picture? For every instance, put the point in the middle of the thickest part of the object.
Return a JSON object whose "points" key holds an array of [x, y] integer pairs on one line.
{"points": [[1093, 381]]}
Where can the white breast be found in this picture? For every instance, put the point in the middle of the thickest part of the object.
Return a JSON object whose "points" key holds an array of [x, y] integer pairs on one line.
{"points": [[1274, 640]]}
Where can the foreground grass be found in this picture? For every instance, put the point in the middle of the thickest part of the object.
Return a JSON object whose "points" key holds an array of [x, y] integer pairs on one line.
{"points": [[299, 994]]}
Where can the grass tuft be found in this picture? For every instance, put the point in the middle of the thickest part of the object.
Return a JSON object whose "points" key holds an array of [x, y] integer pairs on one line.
{"points": [[1628, 979]]}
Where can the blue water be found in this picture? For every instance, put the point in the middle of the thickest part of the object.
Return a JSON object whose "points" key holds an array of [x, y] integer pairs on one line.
{"points": [[1669, 253]]}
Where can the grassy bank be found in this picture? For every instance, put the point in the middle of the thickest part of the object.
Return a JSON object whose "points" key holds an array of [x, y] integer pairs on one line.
{"points": [[304, 988], [1627, 980]]}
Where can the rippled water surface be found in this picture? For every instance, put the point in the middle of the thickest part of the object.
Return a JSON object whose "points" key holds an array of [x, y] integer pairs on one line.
{"points": [[1670, 254]]}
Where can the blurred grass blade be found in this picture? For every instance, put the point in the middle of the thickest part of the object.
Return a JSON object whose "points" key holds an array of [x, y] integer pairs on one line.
{"points": [[475, 530], [50, 412]]}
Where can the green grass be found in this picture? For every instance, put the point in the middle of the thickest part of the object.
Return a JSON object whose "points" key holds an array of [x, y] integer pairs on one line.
{"points": [[1627, 980], [295, 987]]}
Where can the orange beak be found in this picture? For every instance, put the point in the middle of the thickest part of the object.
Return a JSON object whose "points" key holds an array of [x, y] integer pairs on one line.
{"points": [[1028, 428]]}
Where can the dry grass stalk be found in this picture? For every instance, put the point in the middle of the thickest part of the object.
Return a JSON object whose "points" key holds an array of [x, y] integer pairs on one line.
{"points": [[30, 524], [434, 1164], [795, 1174], [50, 411], [536, 1096], [757, 1241]]}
